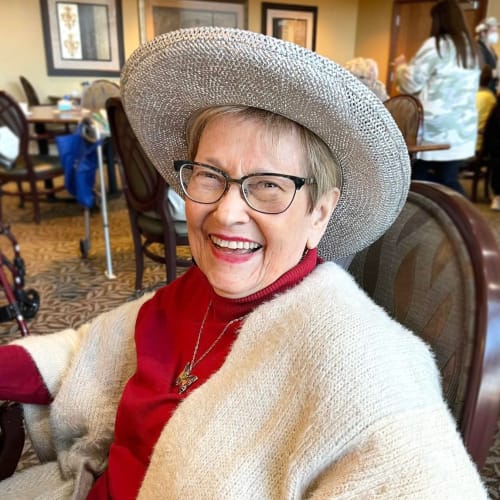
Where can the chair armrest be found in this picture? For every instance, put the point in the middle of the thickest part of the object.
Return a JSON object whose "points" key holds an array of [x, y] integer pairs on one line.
{"points": [[11, 437]]}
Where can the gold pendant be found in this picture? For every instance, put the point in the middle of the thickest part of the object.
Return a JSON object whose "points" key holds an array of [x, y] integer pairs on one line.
{"points": [[185, 379]]}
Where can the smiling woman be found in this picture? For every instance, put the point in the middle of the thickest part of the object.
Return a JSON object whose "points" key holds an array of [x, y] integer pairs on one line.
{"points": [[263, 360]]}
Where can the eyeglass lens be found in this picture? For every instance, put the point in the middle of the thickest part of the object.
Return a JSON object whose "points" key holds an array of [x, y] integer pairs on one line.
{"points": [[270, 194]]}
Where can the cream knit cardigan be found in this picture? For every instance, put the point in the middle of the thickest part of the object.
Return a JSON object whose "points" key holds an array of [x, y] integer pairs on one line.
{"points": [[322, 396]]}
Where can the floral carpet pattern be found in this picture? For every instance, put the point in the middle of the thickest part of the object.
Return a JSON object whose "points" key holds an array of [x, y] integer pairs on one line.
{"points": [[75, 289]]}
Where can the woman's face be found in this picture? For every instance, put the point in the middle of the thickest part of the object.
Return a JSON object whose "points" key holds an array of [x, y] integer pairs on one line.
{"points": [[492, 35], [267, 245]]}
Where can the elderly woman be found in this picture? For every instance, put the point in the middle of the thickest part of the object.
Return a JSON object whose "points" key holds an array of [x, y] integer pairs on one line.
{"points": [[264, 371], [366, 70], [487, 38]]}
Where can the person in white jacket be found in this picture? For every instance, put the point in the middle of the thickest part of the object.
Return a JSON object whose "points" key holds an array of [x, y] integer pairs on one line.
{"points": [[444, 75], [264, 371]]}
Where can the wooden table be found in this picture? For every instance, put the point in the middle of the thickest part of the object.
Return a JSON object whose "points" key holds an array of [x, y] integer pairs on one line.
{"points": [[50, 114], [426, 146]]}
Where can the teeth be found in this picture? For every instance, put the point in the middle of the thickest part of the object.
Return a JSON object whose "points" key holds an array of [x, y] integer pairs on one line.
{"points": [[235, 245]]}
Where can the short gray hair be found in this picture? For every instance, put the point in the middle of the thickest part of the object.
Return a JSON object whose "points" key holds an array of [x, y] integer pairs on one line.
{"points": [[321, 164]]}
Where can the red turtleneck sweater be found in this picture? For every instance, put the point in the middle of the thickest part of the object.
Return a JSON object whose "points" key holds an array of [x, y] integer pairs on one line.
{"points": [[166, 333]]}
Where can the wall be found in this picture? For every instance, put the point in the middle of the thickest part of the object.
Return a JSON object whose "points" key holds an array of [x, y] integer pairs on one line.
{"points": [[22, 48], [336, 28], [373, 32], [494, 10], [346, 29]]}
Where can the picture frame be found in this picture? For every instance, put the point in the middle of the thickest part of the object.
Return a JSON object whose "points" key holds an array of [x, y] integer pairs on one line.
{"points": [[294, 23], [83, 37], [162, 16]]}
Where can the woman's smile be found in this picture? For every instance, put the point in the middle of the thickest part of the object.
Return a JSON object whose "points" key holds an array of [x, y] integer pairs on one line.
{"points": [[237, 245]]}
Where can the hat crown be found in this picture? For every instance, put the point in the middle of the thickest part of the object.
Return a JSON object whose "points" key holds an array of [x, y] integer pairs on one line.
{"points": [[174, 75]]}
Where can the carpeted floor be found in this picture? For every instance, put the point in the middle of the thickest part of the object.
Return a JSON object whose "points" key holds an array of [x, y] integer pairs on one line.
{"points": [[74, 290]]}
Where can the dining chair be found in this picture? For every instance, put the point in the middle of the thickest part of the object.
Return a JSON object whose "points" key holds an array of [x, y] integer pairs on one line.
{"points": [[94, 98], [437, 271], [96, 94], [408, 114], [26, 169], [44, 133], [146, 193], [477, 170]]}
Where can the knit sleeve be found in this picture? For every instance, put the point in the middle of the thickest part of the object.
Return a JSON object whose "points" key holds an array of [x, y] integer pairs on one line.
{"points": [[20, 379], [412, 77], [51, 354], [414, 455]]}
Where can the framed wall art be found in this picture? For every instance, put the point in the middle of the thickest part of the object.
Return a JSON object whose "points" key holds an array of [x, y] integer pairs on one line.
{"points": [[294, 23], [83, 37], [161, 16]]}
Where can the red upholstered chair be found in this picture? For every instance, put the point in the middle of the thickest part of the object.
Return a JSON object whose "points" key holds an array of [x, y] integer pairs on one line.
{"points": [[437, 271]]}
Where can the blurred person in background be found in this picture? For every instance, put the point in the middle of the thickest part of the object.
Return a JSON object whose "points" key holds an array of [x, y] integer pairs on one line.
{"points": [[485, 102], [490, 152], [444, 75], [366, 70], [487, 37]]}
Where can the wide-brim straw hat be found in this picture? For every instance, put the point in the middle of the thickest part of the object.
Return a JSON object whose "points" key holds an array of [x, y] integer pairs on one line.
{"points": [[169, 78]]}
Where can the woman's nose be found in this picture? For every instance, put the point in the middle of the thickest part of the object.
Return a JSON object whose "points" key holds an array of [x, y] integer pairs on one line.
{"points": [[232, 207]]}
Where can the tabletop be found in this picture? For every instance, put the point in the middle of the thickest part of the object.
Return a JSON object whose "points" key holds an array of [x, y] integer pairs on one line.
{"points": [[50, 114], [426, 146]]}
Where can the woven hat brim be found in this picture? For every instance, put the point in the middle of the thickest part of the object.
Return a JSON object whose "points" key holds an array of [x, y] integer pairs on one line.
{"points": [[169, 78]]}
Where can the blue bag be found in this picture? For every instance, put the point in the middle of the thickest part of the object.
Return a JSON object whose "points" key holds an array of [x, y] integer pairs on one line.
{"points": [[79, 160]]}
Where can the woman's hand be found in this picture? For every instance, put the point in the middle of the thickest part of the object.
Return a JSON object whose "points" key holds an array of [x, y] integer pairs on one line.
{"points": [[401, 59]]}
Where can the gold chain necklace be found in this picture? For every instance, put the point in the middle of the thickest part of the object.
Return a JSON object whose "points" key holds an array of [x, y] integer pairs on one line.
{"points": [[186, 378]]}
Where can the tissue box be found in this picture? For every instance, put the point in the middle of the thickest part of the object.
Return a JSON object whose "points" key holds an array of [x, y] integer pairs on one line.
{"points": [[64, 105]]}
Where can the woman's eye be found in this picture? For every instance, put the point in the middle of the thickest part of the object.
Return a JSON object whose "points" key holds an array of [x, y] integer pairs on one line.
{"points": [[268, 184], [265, 185], [208, 175]]}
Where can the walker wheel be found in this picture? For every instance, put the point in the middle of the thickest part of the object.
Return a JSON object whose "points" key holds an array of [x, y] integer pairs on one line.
{"points": [[84, 248], [29, 303]]}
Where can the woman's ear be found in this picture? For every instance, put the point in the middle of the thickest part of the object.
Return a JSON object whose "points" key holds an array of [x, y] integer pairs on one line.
{"points": [[320, 216]]}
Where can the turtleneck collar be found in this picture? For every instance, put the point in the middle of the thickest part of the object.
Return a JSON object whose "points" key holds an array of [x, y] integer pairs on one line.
{"points": [[226, 309]]}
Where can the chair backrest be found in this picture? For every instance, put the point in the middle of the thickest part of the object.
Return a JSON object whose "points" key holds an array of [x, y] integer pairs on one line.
{"points": [[143, 184], [437, 271], [12, 116], [31, 95], [97, 93], [408, 114], [146, 193]]}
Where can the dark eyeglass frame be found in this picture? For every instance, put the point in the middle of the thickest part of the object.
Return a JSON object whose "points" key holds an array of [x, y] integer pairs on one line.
{"points": [[298, 182]]}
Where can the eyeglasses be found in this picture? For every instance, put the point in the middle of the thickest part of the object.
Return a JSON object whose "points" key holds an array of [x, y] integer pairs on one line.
{"points": [[268, 193]]}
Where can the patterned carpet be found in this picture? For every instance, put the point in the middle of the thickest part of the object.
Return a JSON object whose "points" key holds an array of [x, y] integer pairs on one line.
{"points": [[74, 289]]}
